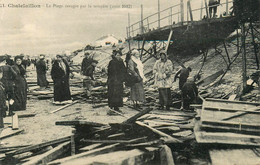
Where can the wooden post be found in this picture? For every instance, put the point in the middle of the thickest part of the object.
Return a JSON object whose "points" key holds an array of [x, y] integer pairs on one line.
{"points": [[201, 6], [148, 24], [226, 7], [141, 55], [237, 42], [190, 11], [72, 142], [187, 12], [169, 40], [142, 23], [206, 7], [129, 30], [243, 37], [229, 61], [182, 11], [170, 16], [159, 14], [254, 44]]}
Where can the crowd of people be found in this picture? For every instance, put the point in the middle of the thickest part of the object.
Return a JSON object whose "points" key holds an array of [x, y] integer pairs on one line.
{"points": [[13, 84]]}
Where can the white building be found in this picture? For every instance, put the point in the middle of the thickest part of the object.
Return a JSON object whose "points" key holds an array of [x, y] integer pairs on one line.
{"points": [[107, 40]]}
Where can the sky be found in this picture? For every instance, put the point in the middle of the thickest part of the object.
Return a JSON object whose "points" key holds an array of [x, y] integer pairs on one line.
{"points": [[57, 29]]}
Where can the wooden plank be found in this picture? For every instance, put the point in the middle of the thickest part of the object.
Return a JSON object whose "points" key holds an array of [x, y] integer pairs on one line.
{"points": [[210, 78], [25, 115], [50, 155], [238, 125], [167, 138], [38, 146], [239, 114], [78, 122], [219, 108], [85, 154], [228, 101], [65, 106], [8, 132], [15, 122], [133, 118], [166, 155], [234, 156], [90, 147], [226, 138], [115, 141]]}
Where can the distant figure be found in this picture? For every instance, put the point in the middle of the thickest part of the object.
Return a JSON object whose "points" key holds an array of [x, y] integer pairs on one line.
{"points": [[89, 77], [135, 66], [86, 62], [116, 77], [9, 61], [189, 93], [41, 69], [3, 106], [60, 75], [8, 79], [213, 4], [162, 70], [183, 75], [20, 90]]}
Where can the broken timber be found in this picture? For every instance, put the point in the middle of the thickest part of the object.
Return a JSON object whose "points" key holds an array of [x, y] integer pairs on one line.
{"points": [[65, 106]]}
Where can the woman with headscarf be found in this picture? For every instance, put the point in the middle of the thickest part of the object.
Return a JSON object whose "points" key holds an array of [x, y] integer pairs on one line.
{"points": [[135, 66], [116, 77], [20, 88], [163, 71], [60, 75]]}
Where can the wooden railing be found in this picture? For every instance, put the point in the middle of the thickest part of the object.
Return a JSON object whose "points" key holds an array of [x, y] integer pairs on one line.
{"points": [[173, 15]]}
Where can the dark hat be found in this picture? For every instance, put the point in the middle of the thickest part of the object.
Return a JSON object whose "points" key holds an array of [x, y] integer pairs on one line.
{"points": [[58, 55], [86, 53], [18, 57], [163, 53], [2, 58]]}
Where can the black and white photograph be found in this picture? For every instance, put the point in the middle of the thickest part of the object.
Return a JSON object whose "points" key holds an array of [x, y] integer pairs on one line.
{"points": [[127, 82]]}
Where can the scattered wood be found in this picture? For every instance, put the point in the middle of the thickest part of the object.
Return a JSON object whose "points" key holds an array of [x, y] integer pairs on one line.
{"points": [[65, 106], [25, 115], [99, 105], [50, 155], [114, 141], [167, 138], [183, 133], [135, 117], [38, 146], [206, 81], [15, 122], [8, 132], [105, 149], [79, 122], [238, 114], [90, 147]]}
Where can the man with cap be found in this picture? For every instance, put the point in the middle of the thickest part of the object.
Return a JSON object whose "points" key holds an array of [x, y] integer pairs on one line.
{"points": [[88, 81], [86, 62], [8, 81], [41, 69]]}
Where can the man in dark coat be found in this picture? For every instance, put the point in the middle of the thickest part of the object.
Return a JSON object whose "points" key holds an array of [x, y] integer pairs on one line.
{"points": [[86, 62], [189, 93], [116, 77], [3, 106], [8, 81], [183, 75], [60, 75], [41, 69]]}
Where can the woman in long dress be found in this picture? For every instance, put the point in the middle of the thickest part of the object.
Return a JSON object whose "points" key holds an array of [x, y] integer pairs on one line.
{"points": [[135, 66], [60, 75], [20, 88], [116, 77]]}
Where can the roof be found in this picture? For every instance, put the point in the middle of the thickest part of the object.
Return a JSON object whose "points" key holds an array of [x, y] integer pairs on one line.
{"points": [[106, 36]]}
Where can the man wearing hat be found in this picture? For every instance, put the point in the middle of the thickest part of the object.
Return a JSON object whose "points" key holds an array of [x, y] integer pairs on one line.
{"points": [[41, 69], [86, 62], [88, 81], [8, 81]]}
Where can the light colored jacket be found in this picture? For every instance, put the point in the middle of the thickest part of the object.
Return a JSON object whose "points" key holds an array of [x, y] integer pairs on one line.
{"points": [[163, 74]]}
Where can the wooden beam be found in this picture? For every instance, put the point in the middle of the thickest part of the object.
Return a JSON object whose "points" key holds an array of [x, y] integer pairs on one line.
{"points": [[85, 154], [26, 115], [141, 55], [243, 40], [206, 6], [169, 40], [182, 11], [190, 11], [220, 108], [228, 101], [238, 114], [167, 138], [231, 124], [50, 155], [38, 146], [15, 122], [79, 122], [10, 133], [135, 117], [115, 141], [65, 106]]}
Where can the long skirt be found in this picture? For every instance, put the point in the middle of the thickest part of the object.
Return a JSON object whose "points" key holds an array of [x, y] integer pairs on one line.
{"points": [[137, 92], [115, 95], [165, 97], [42, 80], [20, 96], [61, 90]]}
